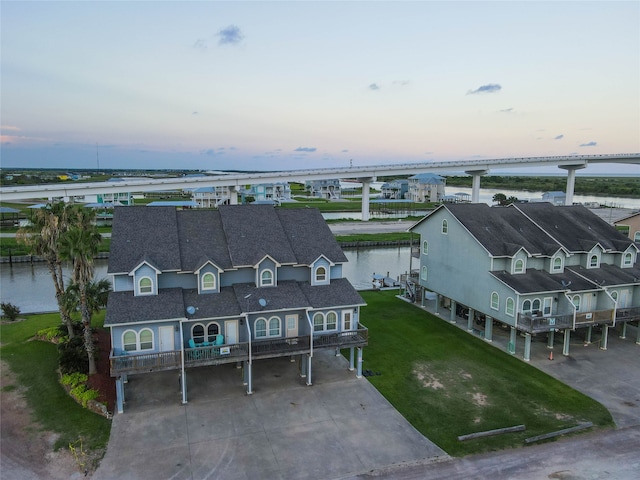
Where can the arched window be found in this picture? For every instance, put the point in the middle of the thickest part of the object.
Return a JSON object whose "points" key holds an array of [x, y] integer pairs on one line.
{"points": [[576, 302], [445, 227], [636, 237], [321, 274], [274, 327], [208, 281], [557, 264], [627, 259], [535, 306], [212, 331], [145, 286], [518, 266], [510, 307], [332, 321], [614, 295], [423, 273], [146, 339], [593, 261], [197, 333], [526, 306], [129, 341], [495, 301], [266, 278], [425, 248], [318, 322], [261, 328]]}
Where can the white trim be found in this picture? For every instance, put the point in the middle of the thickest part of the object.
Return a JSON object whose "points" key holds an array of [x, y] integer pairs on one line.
{"points": [[496, 307], [139, 291]]}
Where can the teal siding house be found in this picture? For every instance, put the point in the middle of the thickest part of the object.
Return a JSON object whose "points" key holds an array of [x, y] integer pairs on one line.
{"points": [[239, 284]]}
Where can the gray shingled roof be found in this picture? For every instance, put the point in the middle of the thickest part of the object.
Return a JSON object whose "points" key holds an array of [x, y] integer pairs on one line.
{"points": [[211, 305], [610, 275], [538, 281], [202, 238], [339, 293], [286, 295], [124, 307]]}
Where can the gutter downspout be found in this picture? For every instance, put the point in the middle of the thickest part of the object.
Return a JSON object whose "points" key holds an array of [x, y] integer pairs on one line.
{"points": [[575, 310], [182, 372], [311, 347], [250, 362], [615, 306]]}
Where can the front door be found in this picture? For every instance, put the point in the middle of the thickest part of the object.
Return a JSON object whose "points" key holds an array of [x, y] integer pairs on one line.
{"points": [[292, 325], [166, 338], [231, 332], [347, 320]]}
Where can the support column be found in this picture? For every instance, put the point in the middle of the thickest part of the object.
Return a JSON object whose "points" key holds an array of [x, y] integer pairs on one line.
{"points": [[552, 334], [233, 195], [571, 181], [452, 313], [638, 333], [437, 306], [359, 372], [605, 337], [475, 184], [309, 370], [488, 329], [119, 395], [511, 348], [337, 352], [249, 379], [527, 347], [351, 359], [587, 340], [472, 314], [623, 334], [303, 366], [365, 200], [567, 340]]}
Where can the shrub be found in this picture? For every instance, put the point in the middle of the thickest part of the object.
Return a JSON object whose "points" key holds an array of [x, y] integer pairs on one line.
{"points": [[74, 379], [84, 394], [73, 357], [10, 311], [52, 334]]}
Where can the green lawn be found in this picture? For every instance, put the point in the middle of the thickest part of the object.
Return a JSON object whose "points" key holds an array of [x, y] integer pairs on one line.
{"points": [[35, 363], [447, 383]]}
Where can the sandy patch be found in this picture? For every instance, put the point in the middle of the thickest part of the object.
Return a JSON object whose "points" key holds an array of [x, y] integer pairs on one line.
{"points": [[428, 380], [480, 399]]}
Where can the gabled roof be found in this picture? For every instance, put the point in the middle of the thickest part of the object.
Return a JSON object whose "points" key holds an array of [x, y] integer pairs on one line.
{"points": [[540, 281], [429, 178], [201, 236], [124, 307], [338, 293], [609, 275]]}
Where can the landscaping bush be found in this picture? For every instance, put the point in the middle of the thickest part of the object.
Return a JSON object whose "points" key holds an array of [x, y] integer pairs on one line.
{"points": [[73, 357], [10, 311]]}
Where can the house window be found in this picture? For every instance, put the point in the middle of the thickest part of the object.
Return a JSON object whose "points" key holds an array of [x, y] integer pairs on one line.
{"points": [[208, 281], [146, 339], [332, 321], [266, 278], [636, 237], [197, 333], [318, 322], [495, 301], [614, 295], [129, 341], [145, 286], [323, 323], [535, 306], [627, 259], [423, 274], [445, 227], [518, 266], [321, 274], [546, 305], [212, 331], [274, 327], [510, 307], [557, 264], [576, 302], [526, 306], [425, 248], [593, 261], [261, 328], [346, 319]]}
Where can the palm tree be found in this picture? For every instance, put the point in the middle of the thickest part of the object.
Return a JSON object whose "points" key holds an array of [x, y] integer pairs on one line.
{"points": [[42, 238], [79, 245], [97, 293], [499, 198]]}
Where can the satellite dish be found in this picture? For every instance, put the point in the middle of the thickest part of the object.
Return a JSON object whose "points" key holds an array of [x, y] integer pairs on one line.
{"points": [[191, 310], [262, 302]]}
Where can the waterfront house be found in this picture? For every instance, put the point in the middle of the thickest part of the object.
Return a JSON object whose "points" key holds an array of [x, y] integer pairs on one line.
{"points": [[238, 285], [329, 188], [631, 225], [270, 192], [555, 198], [426, 187], [211, 197], [395, 189], [534, 268]]}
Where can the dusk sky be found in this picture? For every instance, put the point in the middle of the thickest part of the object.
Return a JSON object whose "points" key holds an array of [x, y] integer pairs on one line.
{"points": [[291, 85]]}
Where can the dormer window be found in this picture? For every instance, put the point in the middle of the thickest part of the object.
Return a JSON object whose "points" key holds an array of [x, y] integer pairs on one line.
{"points": [[557, 266], [627, 260], [321, 274], [518, 266], [145, 286], [594, 261], [266, 278], [208, 281], [425, 248]]}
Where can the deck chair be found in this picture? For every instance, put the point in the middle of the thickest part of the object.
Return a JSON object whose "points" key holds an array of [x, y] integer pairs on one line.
{"points": [[219, 339], [195, 353]]}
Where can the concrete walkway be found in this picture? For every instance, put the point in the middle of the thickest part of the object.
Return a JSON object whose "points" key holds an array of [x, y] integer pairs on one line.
{"points": [[338, 427]]}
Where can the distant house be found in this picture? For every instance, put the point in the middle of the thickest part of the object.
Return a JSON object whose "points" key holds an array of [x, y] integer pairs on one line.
{"points": [[631, 225], [426, 187], [329, 189], [554, 198], [395, 189], [211, 197], [266, 192], [534, 268], [238, 284]]}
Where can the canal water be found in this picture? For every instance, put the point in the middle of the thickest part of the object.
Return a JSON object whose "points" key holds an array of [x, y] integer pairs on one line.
{"points": [[31, 289]]}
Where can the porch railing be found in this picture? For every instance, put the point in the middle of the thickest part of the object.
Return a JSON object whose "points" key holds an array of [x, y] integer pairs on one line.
{"points": [[597, 316], [535, 324], [122, 364], [352, 338], [215, 354], [280, 346], [628, 314]]}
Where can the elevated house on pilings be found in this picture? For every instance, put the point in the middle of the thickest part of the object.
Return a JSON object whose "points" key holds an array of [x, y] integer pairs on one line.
{"points": [[534, 268], [239, 284]]}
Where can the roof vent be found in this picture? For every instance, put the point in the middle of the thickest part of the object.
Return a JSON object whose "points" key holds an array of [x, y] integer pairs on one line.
{"points": [[191, 309]]}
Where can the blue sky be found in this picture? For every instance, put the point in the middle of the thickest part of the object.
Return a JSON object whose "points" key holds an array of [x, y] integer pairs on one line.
{"points": [[287, 85]]}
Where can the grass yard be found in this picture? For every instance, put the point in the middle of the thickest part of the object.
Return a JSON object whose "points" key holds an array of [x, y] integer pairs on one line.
{"points": [[35, 364], [447, 383]]}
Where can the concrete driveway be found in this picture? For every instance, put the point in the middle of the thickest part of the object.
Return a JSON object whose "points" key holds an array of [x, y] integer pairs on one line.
{"points": [[340, 426]]}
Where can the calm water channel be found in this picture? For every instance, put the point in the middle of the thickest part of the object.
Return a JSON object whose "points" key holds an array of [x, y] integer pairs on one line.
{"points": [[30, 287]]}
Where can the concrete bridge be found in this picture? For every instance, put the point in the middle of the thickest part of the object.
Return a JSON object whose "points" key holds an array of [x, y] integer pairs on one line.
{"points": [[363, 174]]}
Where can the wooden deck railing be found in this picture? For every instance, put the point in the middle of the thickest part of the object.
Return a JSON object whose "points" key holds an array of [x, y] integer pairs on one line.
{"points": [[628, 314], [535, 324], [280, 346], [584, 319], [144, 362], [352, 338]]}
